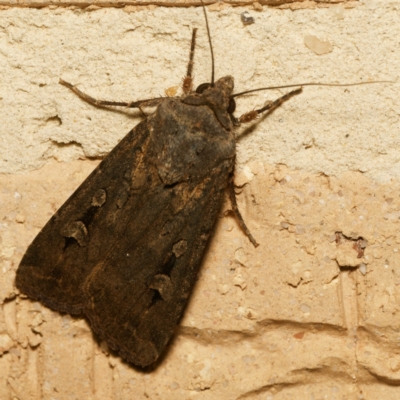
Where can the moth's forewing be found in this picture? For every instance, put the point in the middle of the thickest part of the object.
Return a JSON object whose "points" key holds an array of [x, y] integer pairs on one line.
{"points": [[126, 246], [59, 260]]}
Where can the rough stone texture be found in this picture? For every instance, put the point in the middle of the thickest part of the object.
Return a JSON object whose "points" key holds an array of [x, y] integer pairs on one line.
{"points": [[301, 316]]}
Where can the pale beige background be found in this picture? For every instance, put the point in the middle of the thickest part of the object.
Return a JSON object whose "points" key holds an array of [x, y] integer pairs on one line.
{"points": [[300, 317]]}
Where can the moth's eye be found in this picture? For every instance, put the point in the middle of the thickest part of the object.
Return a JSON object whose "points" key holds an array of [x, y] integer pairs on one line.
{"points": [[201, 88], [232, 106]]}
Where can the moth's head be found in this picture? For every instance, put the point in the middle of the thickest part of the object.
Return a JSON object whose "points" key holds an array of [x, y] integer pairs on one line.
{"points": [[223, 88], [224, 84]]}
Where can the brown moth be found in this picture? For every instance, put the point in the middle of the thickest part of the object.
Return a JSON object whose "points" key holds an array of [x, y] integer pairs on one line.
{"points": [[125, 248]]}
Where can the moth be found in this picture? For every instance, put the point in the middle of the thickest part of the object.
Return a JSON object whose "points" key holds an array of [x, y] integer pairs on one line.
{"points": [[124, 250]]}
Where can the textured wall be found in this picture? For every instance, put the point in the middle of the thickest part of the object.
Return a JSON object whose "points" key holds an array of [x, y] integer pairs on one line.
{"points": [[311, 313]]}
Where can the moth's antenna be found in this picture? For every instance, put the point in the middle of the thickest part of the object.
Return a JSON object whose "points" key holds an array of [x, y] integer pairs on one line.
{"points": [[209, 40], [308, 84]]}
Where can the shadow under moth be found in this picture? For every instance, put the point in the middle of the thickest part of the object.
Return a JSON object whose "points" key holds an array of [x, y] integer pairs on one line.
{"points": [[125, 248]]}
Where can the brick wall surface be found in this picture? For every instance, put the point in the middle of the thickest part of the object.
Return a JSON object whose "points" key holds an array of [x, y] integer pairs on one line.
{"points": [[313, 312]]}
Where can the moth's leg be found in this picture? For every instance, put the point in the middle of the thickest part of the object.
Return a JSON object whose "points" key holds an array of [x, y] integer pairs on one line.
{"points": [[232, 197], [102, 103], [142, 111], [250, 116], [188, 81]]}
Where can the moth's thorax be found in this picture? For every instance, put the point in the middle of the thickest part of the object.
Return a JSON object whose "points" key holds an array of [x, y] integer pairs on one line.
{"points": [[192, 137]]}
